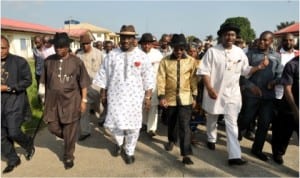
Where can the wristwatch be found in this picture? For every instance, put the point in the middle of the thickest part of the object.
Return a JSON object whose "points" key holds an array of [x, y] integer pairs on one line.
{"points": [[8, 89], [84, 100]]}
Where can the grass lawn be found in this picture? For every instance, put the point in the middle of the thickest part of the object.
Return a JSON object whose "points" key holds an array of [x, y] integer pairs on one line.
{"points": [[36, 108]]}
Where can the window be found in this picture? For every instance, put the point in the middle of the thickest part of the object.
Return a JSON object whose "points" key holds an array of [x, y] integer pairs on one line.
{"points": [[23, 44]]}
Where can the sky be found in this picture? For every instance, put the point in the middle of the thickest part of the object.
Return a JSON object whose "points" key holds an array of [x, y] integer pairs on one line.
{"points": [[198, 17]]}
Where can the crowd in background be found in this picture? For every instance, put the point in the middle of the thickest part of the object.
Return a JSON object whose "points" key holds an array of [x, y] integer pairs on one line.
{"points": [[134, 85]]}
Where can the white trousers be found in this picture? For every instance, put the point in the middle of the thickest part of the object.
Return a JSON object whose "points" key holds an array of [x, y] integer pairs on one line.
{"points": [[150, 118], [126, 138], [233, 145]]}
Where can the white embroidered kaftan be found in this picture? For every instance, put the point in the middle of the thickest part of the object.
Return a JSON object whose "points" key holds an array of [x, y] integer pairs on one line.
{"points": [[126, 76]]}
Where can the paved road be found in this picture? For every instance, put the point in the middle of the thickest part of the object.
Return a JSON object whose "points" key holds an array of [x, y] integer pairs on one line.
{"points": [[94, 159]]}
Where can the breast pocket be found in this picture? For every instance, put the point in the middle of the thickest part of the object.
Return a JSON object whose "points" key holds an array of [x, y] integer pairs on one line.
{"points": [[238, 66], [69, 82]]}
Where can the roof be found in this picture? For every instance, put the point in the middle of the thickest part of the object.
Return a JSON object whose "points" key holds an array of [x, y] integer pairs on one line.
{"points": [[294, 28], [88, 26], [10, 24], [77, 32]]}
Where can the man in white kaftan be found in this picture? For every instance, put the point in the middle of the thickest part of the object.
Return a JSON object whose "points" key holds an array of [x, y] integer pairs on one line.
{"points": [[150, 117], [221, 69], [127, 77]]}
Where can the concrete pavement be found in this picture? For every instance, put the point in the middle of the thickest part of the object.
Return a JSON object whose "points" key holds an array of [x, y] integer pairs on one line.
{"points": [[93, 158]]}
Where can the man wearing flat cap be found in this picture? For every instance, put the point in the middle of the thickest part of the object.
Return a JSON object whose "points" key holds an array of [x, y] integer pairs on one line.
{"points": [[92, 58], [150, 117], [177, 91], [221, 68], [126, 80], [63, 85]]}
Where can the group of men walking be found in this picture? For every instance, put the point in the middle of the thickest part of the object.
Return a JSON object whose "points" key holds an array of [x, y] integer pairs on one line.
{"points": [[129, 84]]}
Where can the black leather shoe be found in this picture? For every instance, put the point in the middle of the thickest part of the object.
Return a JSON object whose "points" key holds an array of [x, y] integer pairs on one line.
{"points": [[151, 133], [29, 153], [169, 146], [83, 137], [187, 160], [117, 150], [129, 159], [11, 167], [250, 135], [211, 146], [68, 164], [237, 161], [278, 159], [260, 155]]}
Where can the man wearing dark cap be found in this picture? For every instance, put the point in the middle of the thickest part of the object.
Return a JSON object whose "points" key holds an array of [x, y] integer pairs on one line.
{"points": [[221, 69], [150, 117], [63, 85], [92, 59], [177, 91], [126, 80]]}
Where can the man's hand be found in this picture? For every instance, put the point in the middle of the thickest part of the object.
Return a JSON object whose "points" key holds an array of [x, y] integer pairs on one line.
{"points": [[212, 93], [271, 84], [256, 91], [147, 103], [163, 103], [194, 104], [82, 107]]}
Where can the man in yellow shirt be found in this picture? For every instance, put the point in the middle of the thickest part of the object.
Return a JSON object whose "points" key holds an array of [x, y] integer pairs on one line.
{"points": [[177, 91]]}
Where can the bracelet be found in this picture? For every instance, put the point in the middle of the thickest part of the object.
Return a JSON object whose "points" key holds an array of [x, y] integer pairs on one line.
{"points": [[84, 100]]}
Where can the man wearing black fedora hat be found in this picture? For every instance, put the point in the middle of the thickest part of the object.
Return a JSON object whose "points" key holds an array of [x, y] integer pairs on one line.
{"points": [[63, 85], [177, 91], [126, 80], [150, 117], [221, 68]]}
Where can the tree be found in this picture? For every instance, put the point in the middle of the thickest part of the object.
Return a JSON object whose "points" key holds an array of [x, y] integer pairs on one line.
{"points": [[190, 38], [284, 24], [247, 33]]}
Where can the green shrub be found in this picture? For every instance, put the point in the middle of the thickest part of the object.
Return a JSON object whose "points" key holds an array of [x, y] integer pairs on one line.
{"points": [[36, 107]]}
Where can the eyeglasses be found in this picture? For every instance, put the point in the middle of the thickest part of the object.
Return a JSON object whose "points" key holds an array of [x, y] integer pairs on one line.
{"points": [[4, 47]]}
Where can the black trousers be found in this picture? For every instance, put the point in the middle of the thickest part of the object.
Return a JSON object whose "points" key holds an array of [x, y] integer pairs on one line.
{"points": [[179, 123], [9, 135], [283, 127], [264, 108]]}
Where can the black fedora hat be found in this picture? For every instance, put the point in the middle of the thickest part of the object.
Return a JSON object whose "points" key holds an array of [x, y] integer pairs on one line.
{"points": [[178, 40], [228, 27], [61, 39], [146, 37]]}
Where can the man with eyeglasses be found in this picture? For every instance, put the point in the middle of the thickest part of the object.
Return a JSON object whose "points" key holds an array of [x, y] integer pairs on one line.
{"points": [[92, 59], [177, 91]]}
